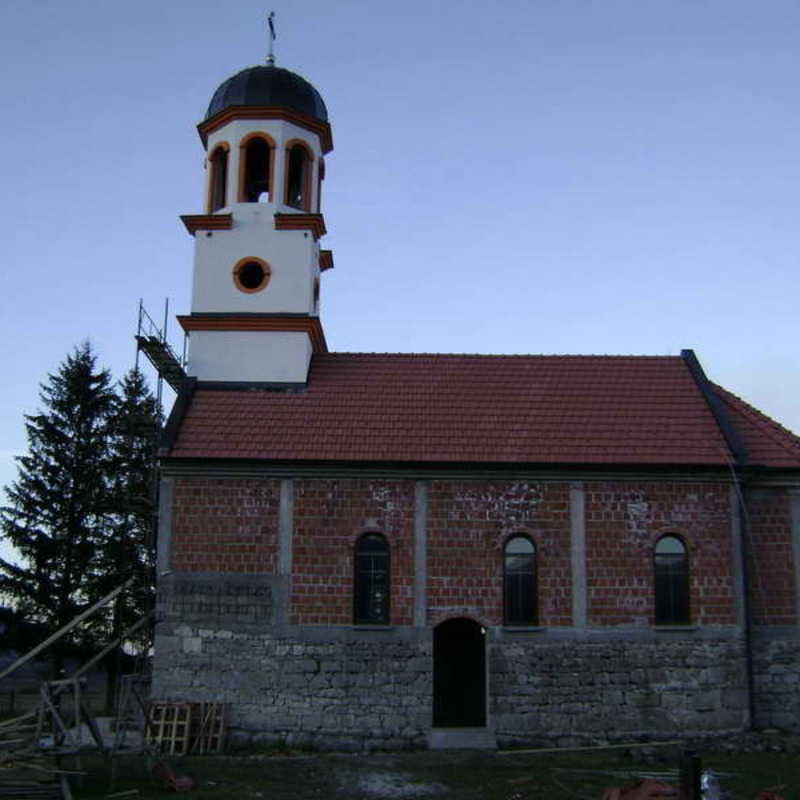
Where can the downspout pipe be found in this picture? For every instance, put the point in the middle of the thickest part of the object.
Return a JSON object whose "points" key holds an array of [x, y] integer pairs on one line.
{"points": [[744, 534], [738, 465]]}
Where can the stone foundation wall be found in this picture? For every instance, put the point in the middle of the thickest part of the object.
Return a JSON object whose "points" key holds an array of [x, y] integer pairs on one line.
{"points": [[344, 688], [571, 693], [358, 690], [776, 678]]}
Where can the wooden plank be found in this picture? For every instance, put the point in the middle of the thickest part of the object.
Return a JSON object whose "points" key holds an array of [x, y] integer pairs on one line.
{"points": [[65, 629], [109, 647], [93, 729]]}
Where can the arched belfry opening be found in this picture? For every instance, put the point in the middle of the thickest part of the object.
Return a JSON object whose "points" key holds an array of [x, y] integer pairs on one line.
{"points": [[298, 174], [256, 163], [459, 674], [217, 195]]}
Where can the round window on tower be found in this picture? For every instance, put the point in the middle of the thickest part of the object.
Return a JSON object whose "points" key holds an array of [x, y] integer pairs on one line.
{"points": [[251, 274]]}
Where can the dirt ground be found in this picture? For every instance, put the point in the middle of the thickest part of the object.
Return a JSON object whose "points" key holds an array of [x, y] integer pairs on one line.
{"points": [[466, 775]]}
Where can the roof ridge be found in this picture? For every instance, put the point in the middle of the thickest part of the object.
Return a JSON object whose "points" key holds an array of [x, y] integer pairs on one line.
{"points": [[509, 356], [777, 433]]}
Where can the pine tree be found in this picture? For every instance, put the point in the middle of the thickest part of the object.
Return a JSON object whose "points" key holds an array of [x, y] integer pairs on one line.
{"points": [[57, 507], [128, 546]]}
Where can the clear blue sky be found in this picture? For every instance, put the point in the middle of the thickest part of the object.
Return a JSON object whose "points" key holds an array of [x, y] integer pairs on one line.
{"points": [[558, 176]]}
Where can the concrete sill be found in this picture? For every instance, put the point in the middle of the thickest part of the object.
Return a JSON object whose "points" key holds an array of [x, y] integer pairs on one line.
{"points": [[524, 628], [372, 627], [675, 628]]}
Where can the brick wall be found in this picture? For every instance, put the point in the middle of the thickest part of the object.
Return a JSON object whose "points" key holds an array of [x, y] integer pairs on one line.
{"points": [[225, 525], [231, 525], [329, 515], [623, 523], [468, 525], [771, 565]]}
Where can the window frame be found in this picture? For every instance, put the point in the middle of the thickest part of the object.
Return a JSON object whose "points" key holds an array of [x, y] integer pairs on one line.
{"points": [[218, 183], [676, 608], [240, 264], [361, 584], [530, 619]]}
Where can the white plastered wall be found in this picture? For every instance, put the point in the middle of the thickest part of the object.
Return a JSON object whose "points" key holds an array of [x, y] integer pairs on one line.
{"points": [[293, 257], [249, 356]]}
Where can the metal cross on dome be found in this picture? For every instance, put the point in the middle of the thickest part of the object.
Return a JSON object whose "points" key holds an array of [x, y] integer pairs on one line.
{"points": [[272, 37]]}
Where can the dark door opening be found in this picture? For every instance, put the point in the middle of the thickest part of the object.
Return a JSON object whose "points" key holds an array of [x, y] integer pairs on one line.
{"points": [[459, 674]]}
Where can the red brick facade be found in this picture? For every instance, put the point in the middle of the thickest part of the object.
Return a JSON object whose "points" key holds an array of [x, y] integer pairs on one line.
{"points": [[772, 568], [225, 525], [469, 523], [231, 526], [624, 522], [329, 516]]}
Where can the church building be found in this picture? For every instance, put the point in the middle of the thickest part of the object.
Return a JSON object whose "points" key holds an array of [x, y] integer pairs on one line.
{"points": [[362, 550]]}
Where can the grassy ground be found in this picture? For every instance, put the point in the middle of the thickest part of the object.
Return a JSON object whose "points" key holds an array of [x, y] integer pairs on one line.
{"points": [[463, 775]]}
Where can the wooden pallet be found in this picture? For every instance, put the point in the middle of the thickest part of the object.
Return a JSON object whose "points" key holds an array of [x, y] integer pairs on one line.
{"points": [[169, 727], [177, 728], [208, 735]]}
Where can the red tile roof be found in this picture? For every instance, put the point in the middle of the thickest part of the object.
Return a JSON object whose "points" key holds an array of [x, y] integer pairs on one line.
{"points": [[624, 410], [767, 442]]}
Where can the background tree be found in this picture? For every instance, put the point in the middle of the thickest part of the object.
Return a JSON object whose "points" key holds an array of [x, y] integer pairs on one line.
{"points": [[127, 546], [56, 509]]}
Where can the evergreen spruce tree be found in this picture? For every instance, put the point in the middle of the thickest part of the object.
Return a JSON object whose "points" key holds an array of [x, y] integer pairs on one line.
{"points": [[128, 546], [55, 516]]}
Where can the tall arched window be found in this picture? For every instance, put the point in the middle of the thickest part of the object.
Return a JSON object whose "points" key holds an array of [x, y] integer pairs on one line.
{"points": [[671, 581], [298, 168], [519, 582], [372, 580], [255, 170], [218, 181]]}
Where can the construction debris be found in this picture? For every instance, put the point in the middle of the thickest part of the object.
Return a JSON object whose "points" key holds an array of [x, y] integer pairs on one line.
{"points": [[178, 783], [641, 790], [61, 726]]}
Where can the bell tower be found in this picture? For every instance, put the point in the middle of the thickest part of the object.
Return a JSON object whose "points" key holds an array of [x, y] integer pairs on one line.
{"points": [[257, 258]]}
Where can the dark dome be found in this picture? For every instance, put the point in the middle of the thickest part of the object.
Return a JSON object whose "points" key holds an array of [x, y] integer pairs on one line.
{"points": [[268, 86]]}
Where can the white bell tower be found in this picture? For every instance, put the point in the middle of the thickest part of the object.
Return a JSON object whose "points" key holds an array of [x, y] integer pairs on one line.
{"points": [[257, 264]]}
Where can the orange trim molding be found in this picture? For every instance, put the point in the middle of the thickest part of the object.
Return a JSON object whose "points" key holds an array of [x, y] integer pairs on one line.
{"points": [[322, 129], [325, 260], [207, 222], [298, 222], [257, 322]]}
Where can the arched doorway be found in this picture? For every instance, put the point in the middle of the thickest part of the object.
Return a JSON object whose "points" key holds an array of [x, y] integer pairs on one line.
{"points": [[459, 674]]}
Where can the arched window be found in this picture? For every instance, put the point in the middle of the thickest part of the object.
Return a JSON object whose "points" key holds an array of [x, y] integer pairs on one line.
{"points": [[297, 177], [217, 194], [519, 582], [255, 170], [372, 580], [671, 581]]}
